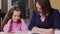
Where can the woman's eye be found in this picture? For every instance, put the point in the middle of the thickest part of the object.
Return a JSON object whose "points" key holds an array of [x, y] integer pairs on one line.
{"points": [[38, 8]]}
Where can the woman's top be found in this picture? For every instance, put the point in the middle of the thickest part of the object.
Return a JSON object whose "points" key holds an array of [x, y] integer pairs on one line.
{"points": [[51, 21]]}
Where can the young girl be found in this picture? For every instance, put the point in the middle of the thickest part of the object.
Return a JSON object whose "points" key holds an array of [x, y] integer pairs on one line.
{"points": [[14, 21]]}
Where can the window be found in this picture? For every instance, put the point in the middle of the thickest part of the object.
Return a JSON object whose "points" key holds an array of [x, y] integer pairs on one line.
{"points": [[0, 4]]}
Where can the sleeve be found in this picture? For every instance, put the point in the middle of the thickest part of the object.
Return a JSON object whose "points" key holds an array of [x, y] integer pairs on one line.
{"points": [[32, 21], [56, 19], [6, 27], [24, 26]]}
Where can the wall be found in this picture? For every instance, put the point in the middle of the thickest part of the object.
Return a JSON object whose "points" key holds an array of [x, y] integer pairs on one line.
{"points": [[55, 4]]}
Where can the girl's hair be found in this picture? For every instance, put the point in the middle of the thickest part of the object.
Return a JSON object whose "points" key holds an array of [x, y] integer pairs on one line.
{"points": [[45, 6], [10, 13]]}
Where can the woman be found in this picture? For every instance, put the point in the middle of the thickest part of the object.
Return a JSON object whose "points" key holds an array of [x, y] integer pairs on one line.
{"points": [[44, 18]]}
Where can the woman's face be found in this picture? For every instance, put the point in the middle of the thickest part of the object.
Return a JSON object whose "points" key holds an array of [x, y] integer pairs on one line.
{"points": [[16, 16], [38, 8]]}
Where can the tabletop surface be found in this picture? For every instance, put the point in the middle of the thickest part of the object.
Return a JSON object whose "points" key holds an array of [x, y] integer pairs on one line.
{"points": [[29, 32]]}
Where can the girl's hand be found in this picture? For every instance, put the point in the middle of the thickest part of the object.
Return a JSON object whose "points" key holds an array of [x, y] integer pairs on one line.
{"points": [[9, 21], [7, 26]]}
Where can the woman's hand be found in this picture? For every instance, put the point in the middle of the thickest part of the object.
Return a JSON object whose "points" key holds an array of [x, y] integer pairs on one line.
{"points": [[35, 29]]}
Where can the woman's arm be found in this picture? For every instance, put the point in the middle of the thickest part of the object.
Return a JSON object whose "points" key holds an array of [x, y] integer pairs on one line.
{"points": [[56, 19], [43, 31]]}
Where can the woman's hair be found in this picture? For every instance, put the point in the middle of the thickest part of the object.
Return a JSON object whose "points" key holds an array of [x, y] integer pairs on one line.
{"points": [[10, 13], [45, 6]]}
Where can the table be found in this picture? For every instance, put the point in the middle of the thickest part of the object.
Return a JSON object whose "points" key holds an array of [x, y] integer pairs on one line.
{"points": [[29, 32], [57, 31], [17, 32]]}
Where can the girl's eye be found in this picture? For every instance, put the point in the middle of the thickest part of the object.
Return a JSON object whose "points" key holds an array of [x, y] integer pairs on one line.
{"points": [[19, 16], [15, 15]]}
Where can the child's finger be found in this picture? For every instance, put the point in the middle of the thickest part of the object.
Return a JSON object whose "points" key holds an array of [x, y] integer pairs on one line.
{"points": [[9, 21]]}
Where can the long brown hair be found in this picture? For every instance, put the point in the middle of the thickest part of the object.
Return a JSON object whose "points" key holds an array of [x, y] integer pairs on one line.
{"points": [[45, 6], [10, 13]]}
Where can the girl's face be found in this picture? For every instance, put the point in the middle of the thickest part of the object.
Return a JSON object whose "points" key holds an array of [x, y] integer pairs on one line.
{"points": [[38, 7], [16, 16]]}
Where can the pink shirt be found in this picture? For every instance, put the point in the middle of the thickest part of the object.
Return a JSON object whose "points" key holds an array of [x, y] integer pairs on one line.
{"points": [[15, 26]]}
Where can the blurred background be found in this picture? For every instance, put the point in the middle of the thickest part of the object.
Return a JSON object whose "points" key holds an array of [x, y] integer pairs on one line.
{"points": [[5, 5]]}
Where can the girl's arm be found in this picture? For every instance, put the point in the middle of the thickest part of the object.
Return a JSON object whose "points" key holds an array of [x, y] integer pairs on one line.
{"points": [[24, 26], [6, 27]]}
